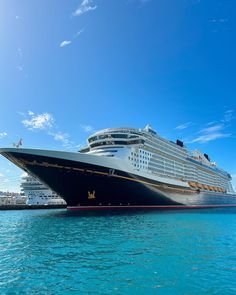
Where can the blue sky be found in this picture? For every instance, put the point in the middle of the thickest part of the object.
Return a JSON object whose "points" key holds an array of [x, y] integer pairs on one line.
{"points": [[68, 68]]}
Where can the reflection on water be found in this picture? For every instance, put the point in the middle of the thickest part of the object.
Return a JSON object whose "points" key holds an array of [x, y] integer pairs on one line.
{"points": [[121, 252]]}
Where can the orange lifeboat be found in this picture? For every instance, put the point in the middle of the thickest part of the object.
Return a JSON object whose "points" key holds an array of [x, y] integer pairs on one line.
{"points": [[191, 183], [199, 185], [205, 186]]}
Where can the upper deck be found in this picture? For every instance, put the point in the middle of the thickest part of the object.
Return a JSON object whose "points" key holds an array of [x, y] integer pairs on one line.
{"points": [[148, 138]]}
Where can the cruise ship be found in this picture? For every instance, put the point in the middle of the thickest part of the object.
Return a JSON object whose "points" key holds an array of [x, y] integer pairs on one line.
{"points": [[129, 168], [37, 193]]}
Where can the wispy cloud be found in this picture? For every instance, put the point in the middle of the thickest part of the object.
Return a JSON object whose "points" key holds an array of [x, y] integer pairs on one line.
{"points": [[211, 123], [183, 126], [219, 20], [211, 129], [60, 136], [215, 131], [65, 43], [18, 17], [85, 6], [20, 63], [87, 128], [210, 136], [41, 121], [228, 116], [68, 42], [21, 113], [79, 32], [3, 134], [219, 24]]}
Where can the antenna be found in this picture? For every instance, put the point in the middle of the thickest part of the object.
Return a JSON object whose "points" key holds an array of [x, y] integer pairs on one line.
{"points": [[17, 145]]}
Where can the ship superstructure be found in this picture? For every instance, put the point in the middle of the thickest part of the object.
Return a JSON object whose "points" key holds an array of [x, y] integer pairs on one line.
{"points": [[151, 154]]}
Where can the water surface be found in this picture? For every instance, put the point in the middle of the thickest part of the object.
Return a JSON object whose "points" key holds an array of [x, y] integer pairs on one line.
{"points": [[157, 252]]}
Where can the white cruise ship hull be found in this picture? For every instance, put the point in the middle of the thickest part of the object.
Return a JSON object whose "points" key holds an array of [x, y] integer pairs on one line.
{"points": [[88, 182]]}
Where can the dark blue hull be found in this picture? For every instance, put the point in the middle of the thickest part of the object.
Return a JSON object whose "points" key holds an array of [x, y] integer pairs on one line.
{"points": [[88, 186]]}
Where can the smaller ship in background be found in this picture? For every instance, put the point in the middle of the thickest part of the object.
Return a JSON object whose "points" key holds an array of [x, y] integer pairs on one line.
{"points": [[37, 193]]}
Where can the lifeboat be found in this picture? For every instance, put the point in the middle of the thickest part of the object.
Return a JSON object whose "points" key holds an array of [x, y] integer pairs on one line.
{"points": [[205, 186], [192, 184], [199, 185]]}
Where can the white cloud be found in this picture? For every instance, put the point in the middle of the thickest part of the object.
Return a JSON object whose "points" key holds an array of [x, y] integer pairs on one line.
{"points": [[65, 43], [228, 116], [219, 20], [211, 123], [21, 113], [183, 126], [46, 122], [68, 42], [215, 131], [85, 6], [211, 133], [87, 128], [59, 136], [18, 17], [41, 121], [209, 137], [79, 32], [1, 175], [3, 134], [212, 129]]}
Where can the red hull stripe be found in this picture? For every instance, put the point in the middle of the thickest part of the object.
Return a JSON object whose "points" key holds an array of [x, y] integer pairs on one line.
{"points": [[148, 207]]}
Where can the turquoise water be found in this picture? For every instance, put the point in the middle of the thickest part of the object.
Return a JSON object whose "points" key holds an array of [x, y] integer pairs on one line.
{"points": [[169, 252]]}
